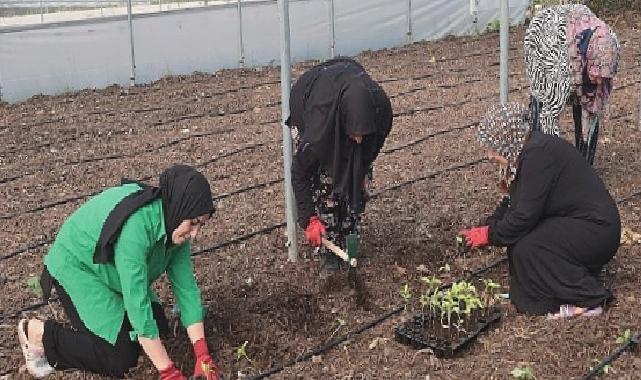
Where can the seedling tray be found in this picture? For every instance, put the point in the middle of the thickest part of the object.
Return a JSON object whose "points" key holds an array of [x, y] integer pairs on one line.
{"points": [[419, 335]]}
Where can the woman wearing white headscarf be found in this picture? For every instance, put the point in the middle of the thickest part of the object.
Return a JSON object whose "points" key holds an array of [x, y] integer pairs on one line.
{"points": [[560, 224]]}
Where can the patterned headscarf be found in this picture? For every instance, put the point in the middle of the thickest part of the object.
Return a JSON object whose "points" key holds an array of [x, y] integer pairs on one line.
{"points": [[600, 58], [504, 129]]}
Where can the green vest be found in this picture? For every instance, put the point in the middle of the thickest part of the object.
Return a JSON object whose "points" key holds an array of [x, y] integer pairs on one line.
{"points": [[103, 293]]}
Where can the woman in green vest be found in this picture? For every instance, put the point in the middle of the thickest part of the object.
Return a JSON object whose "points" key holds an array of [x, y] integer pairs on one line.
{"points": [[103, 264]]}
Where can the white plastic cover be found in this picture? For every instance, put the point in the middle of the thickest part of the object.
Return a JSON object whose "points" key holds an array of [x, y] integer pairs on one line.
{"points": [[52, 59]]}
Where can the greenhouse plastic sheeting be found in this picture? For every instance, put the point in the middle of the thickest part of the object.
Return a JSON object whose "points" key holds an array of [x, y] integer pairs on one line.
{"points": [[55, 58]]}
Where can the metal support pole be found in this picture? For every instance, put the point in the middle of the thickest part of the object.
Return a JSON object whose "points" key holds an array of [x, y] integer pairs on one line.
{"points": [[409, 21], [285, 85], [504, 41], [102, 14], [241, 61], [132, 76], [160, 5], [332, 33], [42, 17]]}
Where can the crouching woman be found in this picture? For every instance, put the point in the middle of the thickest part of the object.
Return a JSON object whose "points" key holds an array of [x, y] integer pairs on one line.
{"points": [[560, 224], [103, 264]]}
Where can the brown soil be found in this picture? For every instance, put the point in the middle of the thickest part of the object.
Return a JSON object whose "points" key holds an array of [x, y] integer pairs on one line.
{"points": [[56, 148]]}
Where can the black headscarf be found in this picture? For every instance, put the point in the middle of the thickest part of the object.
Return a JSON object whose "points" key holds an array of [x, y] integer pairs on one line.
{"points": [[329, 103], [185, 194]]}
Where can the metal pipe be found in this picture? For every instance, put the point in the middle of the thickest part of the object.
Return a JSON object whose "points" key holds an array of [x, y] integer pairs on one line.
{"points": [[285, 85], [241, 61], [504, 41], [409, 21], [332, 32], [132, 76]]}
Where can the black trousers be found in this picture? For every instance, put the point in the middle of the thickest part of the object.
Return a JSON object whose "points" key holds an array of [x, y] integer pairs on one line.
{"points": [[79, 348], [586, 148]]}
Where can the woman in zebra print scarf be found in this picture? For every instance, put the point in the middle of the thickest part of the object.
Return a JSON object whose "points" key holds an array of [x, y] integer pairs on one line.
{"points": [[570, 55], [559, 224]]}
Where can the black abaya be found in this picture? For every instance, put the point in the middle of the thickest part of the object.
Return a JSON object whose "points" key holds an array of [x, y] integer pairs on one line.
{"points": [[560, 227]]}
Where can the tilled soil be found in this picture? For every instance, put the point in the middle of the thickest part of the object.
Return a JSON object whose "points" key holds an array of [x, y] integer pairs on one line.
{"points": [[56, 151]]}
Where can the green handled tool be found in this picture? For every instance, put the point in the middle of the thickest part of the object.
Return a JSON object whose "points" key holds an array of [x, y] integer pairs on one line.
{"points": [[353, 251]]}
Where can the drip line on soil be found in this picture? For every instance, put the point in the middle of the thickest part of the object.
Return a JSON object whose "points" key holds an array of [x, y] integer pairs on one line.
{"points": [[86, 195], [414, 142], [631, 344], [275, 226], [335, 342], [218, 197], [234, 90], [118, 156], [217, 114]]}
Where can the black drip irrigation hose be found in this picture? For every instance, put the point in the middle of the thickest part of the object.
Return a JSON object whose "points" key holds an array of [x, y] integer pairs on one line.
{"points": [[401, 113], [210, 113], [335, 342], [631, 344], [119, 156], [86, 195], [217, 197], [235, 90], [282, 224]]}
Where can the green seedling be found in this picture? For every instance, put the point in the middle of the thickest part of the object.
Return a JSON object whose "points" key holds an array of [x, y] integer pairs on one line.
{"points": [[525, 373], [33, 284], [462, 248], [340, 323], [433, 284], [406, 295], [625, 337], [603, 371], [424, 300], [489, 293], [241, 352]]}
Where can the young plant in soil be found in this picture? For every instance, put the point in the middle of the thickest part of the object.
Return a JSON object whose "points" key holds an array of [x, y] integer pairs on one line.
{"points": [[33, 284], [625, 337], [340, 324], [433, 284], [406, 295], [241, 352], [523, 373], [603, 371], [489, 294]]}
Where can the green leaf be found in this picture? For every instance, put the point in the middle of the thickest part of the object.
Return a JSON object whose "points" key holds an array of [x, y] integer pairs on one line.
{"points": [[33, 284]]}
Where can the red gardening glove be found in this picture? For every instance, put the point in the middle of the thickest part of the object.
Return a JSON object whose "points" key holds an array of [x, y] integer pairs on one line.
{"points": [[315, 229], [171, 373], [205, 366], [477, 237]]}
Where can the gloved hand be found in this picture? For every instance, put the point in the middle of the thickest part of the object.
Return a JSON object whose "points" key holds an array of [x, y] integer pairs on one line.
{"points": [[315, 229], [171, 373], [205, 367], [477, 237]]}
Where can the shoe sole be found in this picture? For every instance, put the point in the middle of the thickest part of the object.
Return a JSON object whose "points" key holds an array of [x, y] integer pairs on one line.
{"points": [[29, 362]]}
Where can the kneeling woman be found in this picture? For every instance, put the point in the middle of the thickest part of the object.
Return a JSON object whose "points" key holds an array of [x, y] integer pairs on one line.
{"points": [[103, 263], [560, 224]]}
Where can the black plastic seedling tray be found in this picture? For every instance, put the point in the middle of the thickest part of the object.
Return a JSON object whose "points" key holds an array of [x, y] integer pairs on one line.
{"points": [[417, 334]]}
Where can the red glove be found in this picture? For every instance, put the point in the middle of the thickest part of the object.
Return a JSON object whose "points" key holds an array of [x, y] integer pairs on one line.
{"points": [[477, 237], [205, 366], [171, 373], [314, 231]]}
